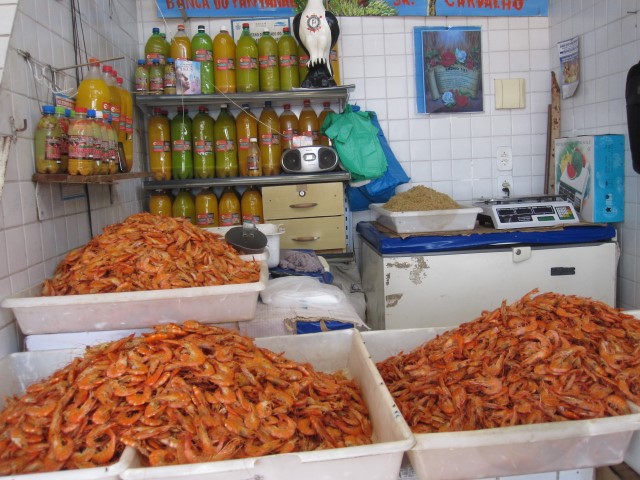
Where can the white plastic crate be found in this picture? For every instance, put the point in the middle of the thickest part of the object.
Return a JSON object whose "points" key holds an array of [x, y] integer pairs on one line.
{"points": [[498, 452], [330, 352], [427, 220]]}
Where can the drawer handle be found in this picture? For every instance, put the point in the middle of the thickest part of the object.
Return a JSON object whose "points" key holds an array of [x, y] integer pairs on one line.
{"points": [[303, 205], [305, 239]]}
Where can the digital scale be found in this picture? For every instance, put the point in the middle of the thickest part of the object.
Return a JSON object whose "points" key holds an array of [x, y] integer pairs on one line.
{"points": [[526, 212]]}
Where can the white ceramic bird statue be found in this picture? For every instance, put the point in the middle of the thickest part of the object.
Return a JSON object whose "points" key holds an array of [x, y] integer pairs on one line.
{"points": [[317, 30]]}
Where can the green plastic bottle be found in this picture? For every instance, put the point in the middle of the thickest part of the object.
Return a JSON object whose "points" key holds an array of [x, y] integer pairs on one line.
{"points": [[224, 132], [288, 61], [184, 206], [204, 165], [247, 75], [181, 153], [268, 63], [156, 47], [202, 51]]}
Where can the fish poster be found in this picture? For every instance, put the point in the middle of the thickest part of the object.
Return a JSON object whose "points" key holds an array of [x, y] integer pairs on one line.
{"points": [[353, 8]]}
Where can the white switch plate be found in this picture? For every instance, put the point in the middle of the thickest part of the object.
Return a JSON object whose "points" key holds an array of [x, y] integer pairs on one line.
{"points": [[504, 158]]}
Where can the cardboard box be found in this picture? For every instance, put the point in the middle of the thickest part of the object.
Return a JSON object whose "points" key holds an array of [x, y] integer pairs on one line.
{"points": [[187, 77], [590, 173]]}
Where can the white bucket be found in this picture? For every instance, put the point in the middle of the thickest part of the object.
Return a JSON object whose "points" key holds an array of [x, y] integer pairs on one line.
{"points": [[272, 231]]}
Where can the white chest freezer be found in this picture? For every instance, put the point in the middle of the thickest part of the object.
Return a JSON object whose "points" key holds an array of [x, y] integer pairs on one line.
{"points": [[446, 280]]}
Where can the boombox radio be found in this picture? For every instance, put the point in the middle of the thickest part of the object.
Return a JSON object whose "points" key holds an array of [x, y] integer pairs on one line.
{"points": [[310, 159]]}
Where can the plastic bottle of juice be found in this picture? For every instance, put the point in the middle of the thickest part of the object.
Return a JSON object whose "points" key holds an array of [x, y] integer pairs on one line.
{"points": [[288, 127], [96, 142], [114, 160], [48, 139], [115, 102], [63, 116], [204, 163], [156, 78], [254, 162], [202, 51], [335, 64], [105, 133], [229, 208], [126, 136], [251, 207], [269, 135], [184, 206], [268, 63], [160, 203], [80, 144], [159, 145], [308, 123], [156, 47], [206, 209], [246, 127], [288, 61], [247, 75], [142, 78], [181, 153], [167, 45], [180, 45], [169, 78], [303, 59], [326, 110], [93, 91], [224, 59], [224, 132]]}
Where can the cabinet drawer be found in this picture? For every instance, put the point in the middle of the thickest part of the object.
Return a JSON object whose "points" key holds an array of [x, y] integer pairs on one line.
{"points": [[303, 201], [322, 233]]}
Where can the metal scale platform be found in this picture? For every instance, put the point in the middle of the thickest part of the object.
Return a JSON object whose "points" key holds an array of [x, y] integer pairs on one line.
{"points": [[526, 212]]}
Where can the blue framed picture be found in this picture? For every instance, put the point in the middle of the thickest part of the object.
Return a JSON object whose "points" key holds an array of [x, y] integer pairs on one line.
{"points": [[448, 69]]}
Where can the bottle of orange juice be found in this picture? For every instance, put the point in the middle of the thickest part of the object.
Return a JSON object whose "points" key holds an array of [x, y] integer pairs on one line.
{"points": [[229, 208], [246, 128], [224, 61], [288, 127], [126, 136], [115, 102], [93, 91], [207, 209], [159, 145], [269, 137], [335, 64], [251, 207], [160, 203], [324, 140], [308, 123], [180, 45], [303, 59]]}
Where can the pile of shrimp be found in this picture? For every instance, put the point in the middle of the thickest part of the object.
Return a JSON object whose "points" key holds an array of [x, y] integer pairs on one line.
{"points": [[150, 252], [544, 358], [182, 394]]}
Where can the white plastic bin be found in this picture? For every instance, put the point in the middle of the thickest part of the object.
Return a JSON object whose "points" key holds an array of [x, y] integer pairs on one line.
{"points": [[271, 230], [427, 220], [19, 370], [498, 452], [330, 352]]}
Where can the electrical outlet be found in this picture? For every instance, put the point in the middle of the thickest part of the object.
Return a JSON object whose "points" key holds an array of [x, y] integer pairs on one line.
{"points": [[504, 186], [504, 158]]}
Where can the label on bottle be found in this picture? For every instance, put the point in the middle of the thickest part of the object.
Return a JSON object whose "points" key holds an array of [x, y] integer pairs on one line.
{"points": [[158, 146], [287, 134], [169, 78], [203, 55], [224, 145], [288, 60], [243, 144], [151, 56], [205, 218], [223, 64], [142, 80], [202, 147], [80, 146], [52, 149], [229, 219], [267, 61], [115, 113], [244, 63], [253, 162], [156, 83], [304, 59], [266, 139], [231, 64], [106, 109], [181, 145], [249, 219]]}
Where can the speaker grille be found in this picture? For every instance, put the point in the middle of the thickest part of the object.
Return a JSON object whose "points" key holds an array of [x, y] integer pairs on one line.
{"points": [[291, 160], [327, 158]]}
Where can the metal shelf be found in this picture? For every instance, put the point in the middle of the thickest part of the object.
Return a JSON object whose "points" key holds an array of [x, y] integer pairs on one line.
{"points": [[294, 97], [87, 179], [283, 179]]}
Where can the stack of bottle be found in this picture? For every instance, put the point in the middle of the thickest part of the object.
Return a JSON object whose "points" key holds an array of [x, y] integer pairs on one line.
{"points": [[248, 65], [205, 210], [246, 145]]}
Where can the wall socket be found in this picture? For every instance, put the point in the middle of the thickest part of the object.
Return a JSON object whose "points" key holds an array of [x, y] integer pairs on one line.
{"points": [[504, 186], [504, 157]]}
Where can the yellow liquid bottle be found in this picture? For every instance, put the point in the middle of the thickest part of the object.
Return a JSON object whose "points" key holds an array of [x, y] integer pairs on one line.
{"points": [[224, 61], [268, 63], [251, 207], [93, 91], [184, 206], [115, 101], [156, 47], [126, 136], [180, 45], [207, 209], [269, 138], [324, 140], [160, 203], [247, 75], [335, 64], [224, 132], [246, 128], [308, 123], [204, 163], [229, 208], [159, 145], [288, 61], [288, 127], [303, 59]]}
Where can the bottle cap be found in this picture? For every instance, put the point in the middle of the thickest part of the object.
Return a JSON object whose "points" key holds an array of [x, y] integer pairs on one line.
{"points": [[107, 68], [223, 28], [91, 113], [285, 29], [265, 31], [180, 27], [60, 109], [48, 109], [119, 80], [81, 110], [253, 139], [94, 61], [155, 30], [157, 110], [99, 114], [223, 105], [202, 108], [141, 61], [286, 106], [245, 25], [183, 110], [114, 73], [201, 28], [170, 60], [156, 61], [267, 103], [68, 112]]}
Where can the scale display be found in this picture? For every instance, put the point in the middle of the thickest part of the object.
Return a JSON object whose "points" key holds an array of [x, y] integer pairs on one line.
{"points": [[526, 212]]}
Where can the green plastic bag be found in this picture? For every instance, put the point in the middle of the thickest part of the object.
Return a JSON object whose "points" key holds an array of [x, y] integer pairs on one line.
{"points": [[356, 141]]}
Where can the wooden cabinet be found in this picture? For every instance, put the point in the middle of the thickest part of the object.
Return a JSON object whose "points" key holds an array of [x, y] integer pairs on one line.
{"points": [[313, 215]]}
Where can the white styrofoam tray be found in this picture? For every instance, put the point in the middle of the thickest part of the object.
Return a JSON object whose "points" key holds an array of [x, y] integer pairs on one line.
{"points": [[341, 350], [19, 370], [498, 452], [129, 310], [427, 220]]}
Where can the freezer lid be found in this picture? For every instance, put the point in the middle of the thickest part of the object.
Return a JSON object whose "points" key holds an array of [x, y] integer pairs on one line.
{"points": [[388, 244]]}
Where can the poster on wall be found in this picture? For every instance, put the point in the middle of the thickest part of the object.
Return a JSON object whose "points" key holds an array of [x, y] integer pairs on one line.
{"points": [[448, 69], [353, 8]]}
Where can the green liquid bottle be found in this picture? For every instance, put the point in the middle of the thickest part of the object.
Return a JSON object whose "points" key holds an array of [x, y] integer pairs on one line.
{"points": [[156, 47], [181, 153], [288, 61], [184, 206], [204, 165], [202, 51], [247, 75], [268, 63], [224, 132]]}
